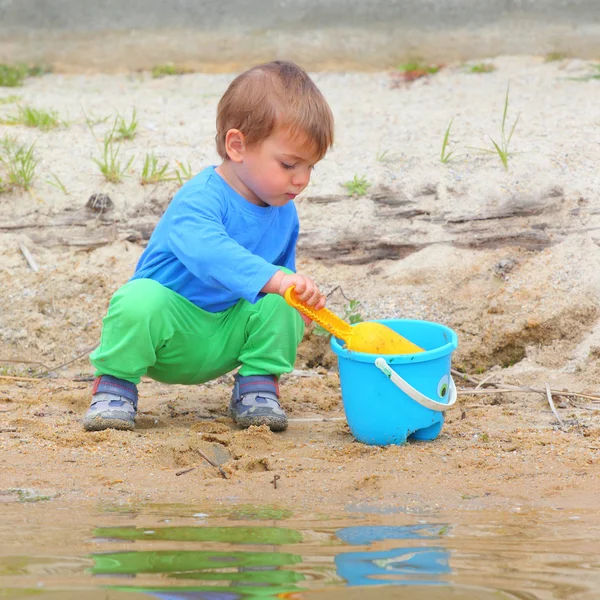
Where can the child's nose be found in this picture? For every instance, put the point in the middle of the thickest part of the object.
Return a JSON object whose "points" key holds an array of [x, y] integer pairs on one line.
{"points": [[301, 178]]}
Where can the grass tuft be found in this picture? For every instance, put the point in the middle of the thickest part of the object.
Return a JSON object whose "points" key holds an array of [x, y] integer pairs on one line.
{"points": [[418, 66], [57, 183], [14, 75], [593, 74], [183, 172], [168, 69], [358, 186], [109, 163], [481, 68], [10, 99], [383, 156], [555, 56], [413, 70], [501, 148], [153, 173], [445, 155], [19, 163], [124, 130], [91, 121], [33, 117]]}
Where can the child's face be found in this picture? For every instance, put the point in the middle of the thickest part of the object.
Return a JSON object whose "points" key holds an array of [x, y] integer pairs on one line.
{"points": [[276, 170]]}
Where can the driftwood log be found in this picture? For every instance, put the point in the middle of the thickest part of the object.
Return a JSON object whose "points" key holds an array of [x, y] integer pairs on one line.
{"points": [[386, 224]]}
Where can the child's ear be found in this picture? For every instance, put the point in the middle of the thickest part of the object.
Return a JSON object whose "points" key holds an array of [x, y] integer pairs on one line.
{"points": [[235, 144]]}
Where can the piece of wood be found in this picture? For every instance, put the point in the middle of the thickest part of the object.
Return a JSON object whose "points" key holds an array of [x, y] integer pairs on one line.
{"points": [[551, 403], [208, 460], [29, 257]]}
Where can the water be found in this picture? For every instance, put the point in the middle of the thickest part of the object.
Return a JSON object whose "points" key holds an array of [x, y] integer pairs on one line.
{"points": [[178, 553]]}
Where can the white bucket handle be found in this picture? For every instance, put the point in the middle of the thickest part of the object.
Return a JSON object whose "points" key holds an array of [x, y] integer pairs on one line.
{"points": [[409, 390]]}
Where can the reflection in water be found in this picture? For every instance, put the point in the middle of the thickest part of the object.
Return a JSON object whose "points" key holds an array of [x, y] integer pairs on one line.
{"points": [[252, 574], [233, 574], [538, 556], [397, 566]]}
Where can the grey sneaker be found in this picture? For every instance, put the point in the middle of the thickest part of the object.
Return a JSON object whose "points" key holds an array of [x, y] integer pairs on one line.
{"points": [[255, 401], [114, 404]]}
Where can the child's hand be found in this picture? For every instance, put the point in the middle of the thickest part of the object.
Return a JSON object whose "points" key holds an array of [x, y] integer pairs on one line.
{"points": [[305, 288]]}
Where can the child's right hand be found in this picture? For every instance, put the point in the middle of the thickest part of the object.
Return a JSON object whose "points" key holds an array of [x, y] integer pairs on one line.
{"points": [[305, 288]]}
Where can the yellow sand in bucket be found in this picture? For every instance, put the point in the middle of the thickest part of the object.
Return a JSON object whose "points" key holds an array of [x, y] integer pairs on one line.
{"points": [[369, 337]]}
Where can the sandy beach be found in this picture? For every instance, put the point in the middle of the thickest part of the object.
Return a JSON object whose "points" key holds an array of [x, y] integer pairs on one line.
{"points": [[507, 258]]}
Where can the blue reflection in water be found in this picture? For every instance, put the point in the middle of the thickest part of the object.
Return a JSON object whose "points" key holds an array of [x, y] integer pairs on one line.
{"points": [[400, 566]]}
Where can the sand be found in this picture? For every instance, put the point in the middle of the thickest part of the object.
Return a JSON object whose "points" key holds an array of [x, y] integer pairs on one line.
{"points": [[508, 259]]}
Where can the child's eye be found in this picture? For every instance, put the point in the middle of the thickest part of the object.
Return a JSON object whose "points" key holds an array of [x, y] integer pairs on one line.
{"points": [[286, 166]]}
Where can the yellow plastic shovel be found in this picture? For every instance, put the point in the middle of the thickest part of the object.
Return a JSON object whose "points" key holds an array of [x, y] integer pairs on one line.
{"points": [[369, 337]]}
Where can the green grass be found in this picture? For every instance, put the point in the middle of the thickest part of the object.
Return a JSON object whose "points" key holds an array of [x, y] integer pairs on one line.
{"points": [[358, 186], [167, 69], [352, 313], [419, 66], [57, 183], [445, 155], [10, 99], [481, 68], [153, 173], [383, 156], [555, 56], [14, 75], [183, 172], [33, 117], [109, 163], [126, 130], [593, 74], [11, 75], [501, 148], [19, 164], [91, 121]]}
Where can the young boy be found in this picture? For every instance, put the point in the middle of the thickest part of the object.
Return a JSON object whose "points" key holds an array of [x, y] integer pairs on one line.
{"points": [[206, 296]]}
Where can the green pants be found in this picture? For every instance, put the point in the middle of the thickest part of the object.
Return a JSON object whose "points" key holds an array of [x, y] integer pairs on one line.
{"points": [[151, 330]]}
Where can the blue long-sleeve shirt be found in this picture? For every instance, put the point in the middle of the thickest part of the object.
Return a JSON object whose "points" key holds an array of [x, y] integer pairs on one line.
{"points": [[214, 247]]}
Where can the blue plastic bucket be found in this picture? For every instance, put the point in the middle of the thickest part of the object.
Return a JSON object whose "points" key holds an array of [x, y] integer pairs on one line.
{"points": [[402, 396]]}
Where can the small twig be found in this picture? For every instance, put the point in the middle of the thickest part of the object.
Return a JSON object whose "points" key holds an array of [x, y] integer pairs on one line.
{"points": [[483, 392], [11, 378], [483, 381], [513, 388], [464, 376], [87, 351], [8, 429], [210, 462], [274, 481], [185, 471], [516, 389], [316, 419], [335, 289], [551, 403], [23, 362], [28, 257]]}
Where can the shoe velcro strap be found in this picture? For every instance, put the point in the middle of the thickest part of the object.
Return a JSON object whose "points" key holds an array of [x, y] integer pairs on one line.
{"points": [[252, 384], [107, 384]]}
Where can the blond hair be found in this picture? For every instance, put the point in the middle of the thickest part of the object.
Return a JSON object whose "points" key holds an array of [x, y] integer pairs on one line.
{"points": [[274, 95]]}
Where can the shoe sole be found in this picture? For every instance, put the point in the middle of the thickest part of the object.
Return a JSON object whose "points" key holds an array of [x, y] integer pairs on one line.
{"points": [[274, 423], [98, 423]]}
